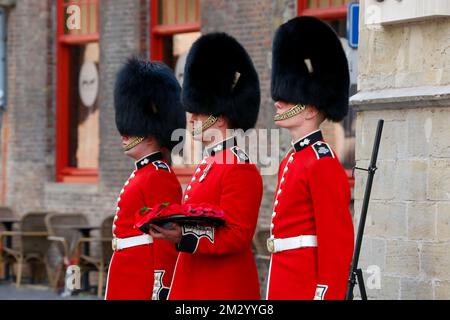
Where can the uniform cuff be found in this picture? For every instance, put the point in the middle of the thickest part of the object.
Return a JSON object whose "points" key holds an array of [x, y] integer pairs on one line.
{"points": [[188, 243]]}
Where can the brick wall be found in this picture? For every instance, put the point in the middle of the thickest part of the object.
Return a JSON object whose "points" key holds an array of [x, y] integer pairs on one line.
{"points": [[32, 82], [27, 105]]}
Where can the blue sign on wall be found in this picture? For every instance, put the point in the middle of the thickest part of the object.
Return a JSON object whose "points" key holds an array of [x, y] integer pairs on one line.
{"points": [[353, 25]]}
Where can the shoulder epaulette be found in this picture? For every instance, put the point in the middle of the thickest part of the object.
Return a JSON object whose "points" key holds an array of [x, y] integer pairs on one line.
{"points": [[161, 165], [240, 154], [322, 150]]}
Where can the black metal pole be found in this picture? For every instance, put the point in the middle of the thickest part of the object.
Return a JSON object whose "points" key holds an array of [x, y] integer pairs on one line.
{"points": [[362, 222]]}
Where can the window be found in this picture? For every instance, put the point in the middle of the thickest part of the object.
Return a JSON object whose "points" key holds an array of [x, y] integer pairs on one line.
{"points": [[174, 26], [171, 22], [77, 112], [342, 135], [324, 9]]}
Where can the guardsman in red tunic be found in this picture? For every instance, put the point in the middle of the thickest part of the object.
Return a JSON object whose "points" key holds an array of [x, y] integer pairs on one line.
{"points": [[148, 108], [220, 89], [311, 234]]}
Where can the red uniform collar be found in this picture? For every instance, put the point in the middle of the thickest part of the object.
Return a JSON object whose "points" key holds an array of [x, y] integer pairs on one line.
{"points": [[148, 159], [222, 145], [307, 140]]}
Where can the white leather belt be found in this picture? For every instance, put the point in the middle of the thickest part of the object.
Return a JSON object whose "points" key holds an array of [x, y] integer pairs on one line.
{"points": [[120, 244], [278, 245]]}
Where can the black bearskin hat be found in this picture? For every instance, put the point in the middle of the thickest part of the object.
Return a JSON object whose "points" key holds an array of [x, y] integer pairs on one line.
{"points": [[147, 101], [220, 79], [309, 66]]}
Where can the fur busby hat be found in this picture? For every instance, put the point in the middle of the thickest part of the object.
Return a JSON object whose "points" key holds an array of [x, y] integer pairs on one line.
{"points": [[220, 79], [147, 101], [309, 66]]}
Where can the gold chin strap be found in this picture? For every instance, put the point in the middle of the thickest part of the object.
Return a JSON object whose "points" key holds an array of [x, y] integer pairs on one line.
{"points": [[295, 110], [134, 142], [207, 124]]}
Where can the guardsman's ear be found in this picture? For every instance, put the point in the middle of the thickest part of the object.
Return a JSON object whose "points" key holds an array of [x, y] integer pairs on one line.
{"points": [[151, 141], [311, 112], [222, 122]]}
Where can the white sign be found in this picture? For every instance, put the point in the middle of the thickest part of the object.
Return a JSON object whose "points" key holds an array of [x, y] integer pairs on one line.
{"points": [[397, 11], [88, 83]]}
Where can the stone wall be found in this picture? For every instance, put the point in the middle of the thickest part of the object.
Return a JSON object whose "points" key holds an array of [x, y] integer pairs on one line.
{"points": [[403, 80]]}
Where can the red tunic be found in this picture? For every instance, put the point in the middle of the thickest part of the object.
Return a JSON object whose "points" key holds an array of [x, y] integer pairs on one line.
{"points": [[218, 263], [312, 198], [137, 271]]}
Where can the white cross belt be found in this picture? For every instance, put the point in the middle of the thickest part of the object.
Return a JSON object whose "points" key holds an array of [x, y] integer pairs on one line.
{"points": [[278, 245]]}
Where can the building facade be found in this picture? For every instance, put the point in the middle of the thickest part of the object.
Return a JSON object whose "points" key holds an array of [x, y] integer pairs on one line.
{"points": [[404, 79]]}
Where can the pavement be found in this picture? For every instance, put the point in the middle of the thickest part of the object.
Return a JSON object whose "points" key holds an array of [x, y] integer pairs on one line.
{"points": [[8, 291]]}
